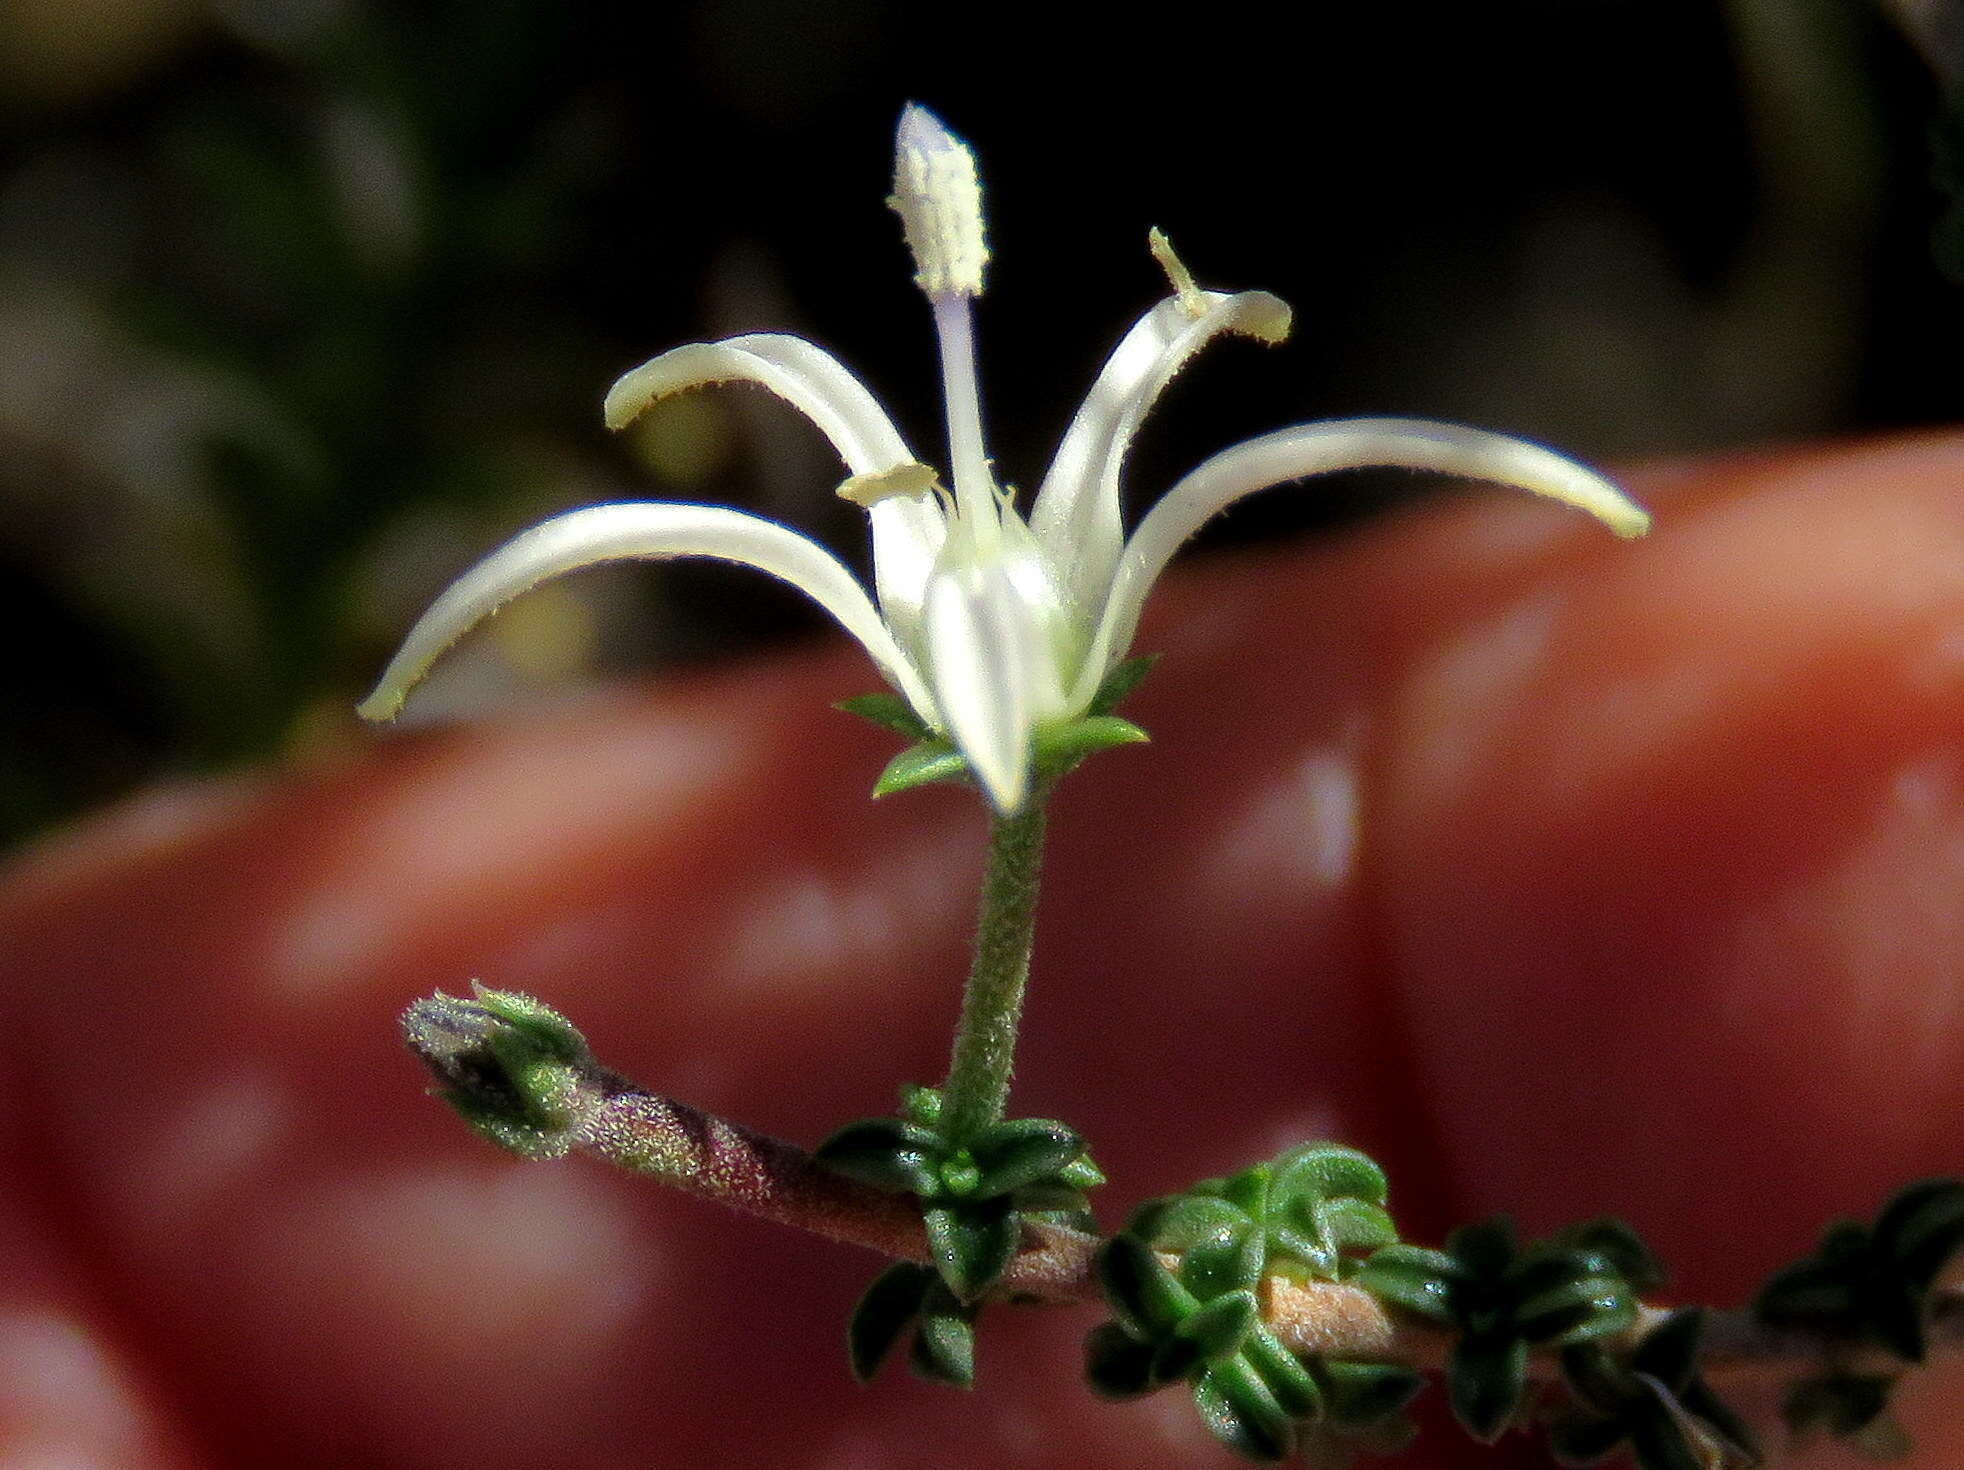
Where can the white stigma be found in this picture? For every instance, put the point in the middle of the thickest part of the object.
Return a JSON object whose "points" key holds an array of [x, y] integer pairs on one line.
{"points": [[939, 201]]}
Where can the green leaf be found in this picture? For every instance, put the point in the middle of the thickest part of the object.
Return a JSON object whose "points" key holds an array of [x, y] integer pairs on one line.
{"points": [[1669, 1351], [1486, 1378], [1594, 1306], [1120, 680], [1485, 1248], [883, 1312], [1179, 1221], [1921, 1228], [971, 1243], [1081, 1173], [887, 1153], [921, 1105], [890, 712], [1063, 747], [1328, 1171], [1351, 1224], [1220, 1327], [921, 765], [1141, 1292], [1584, 1441], [1620, 1247], [1361, 1394], [1658, 1442], [1285, 1375], [1414, 1279], [1228, 1260], [1243, 1415], [943, 1350], [1118, 1365], [1597, 1379], [1021, 1151]]}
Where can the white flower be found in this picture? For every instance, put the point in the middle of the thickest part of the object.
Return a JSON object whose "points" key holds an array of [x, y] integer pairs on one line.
{"points": [[993, 627]]}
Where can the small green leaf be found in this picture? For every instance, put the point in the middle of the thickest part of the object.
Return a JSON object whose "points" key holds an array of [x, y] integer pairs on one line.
{"points": [[1179, 1221], [921, 765], [1292, 1384], [883, 1312], [1081, 1173], [888, 711], [1485, 1248], [1420, 1281], [1486, 1378], [1594, 1306], [1620, 1247], [971, 1243], [887, 1153], [943, 1350], [921, 1106], [1220, 1327], [1329, 1171], [1120, 680], [1243, 1415], [1228, 1260], [1118, 1365], [1351, 1224], [1141, 1292], [1669, 1351], [1361, 1394], [1584, 1441], [1021, 1151]]}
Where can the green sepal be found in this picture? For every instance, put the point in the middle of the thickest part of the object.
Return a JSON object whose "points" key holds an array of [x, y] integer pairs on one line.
{"points": [[495, 1124], [549, 1034], [882, 1314], [1362, 1394], [1120, 680], [1141, 1293], [972, 1243], [888, 1153], [1486, 1379], [943, 1349], [1021, 1151], [1220, 1327], [890, 712], [1242, 1413], [1118, 1365], [922, 764], [1413, 1279], [1839, 1404], [1062, 748]]}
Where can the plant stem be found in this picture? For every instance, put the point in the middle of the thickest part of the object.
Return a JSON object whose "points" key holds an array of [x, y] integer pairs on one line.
{"points": [[985, 1038]]}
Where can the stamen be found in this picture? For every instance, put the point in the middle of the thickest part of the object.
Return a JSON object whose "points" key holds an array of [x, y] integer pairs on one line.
{"points": [[1192, 301]]}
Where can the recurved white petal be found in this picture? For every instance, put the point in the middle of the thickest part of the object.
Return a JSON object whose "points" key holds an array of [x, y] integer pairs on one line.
{"points": [[907, 532], [1076, 514], [980, 649], [647, 530], [1317, 449]]}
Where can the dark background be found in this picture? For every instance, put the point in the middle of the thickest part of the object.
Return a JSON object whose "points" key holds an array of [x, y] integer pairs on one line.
{"points": [[305, 303]]}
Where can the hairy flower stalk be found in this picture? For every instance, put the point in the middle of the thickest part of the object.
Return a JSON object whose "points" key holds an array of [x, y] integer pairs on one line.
{"points": [[995, 628]]}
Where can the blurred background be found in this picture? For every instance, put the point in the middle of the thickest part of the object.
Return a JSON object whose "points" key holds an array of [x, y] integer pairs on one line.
{"points": [[304, 304]]}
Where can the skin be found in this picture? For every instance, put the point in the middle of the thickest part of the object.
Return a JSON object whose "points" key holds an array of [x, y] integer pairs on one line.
{"points": [[1565, 876]]}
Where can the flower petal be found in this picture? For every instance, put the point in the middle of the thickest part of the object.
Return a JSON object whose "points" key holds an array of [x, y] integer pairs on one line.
{"points": [[1076, 513], [642, 530], [980, 647], [1317, 449], [907, 532]]}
